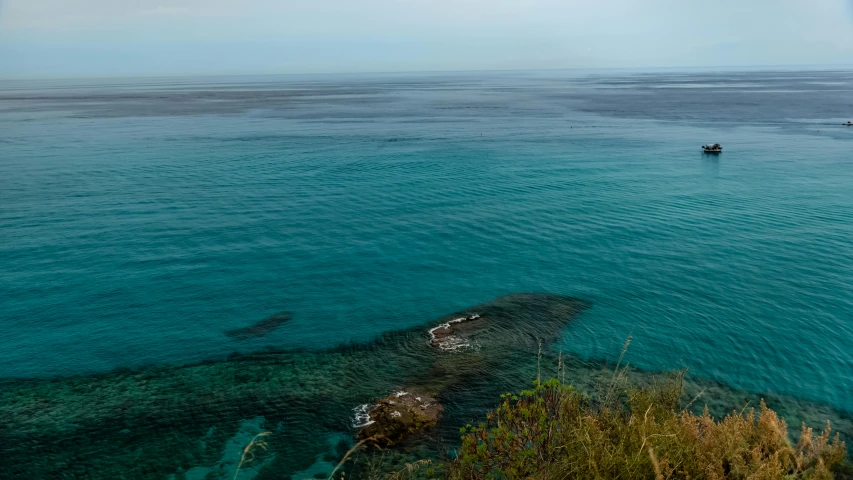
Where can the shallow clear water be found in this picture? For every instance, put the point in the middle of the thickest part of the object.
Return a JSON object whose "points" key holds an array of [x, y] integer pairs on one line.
{"points": [[140, 220]]}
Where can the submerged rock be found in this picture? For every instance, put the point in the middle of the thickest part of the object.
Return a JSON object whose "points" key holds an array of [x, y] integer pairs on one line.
{"points": [[261, 328], [310, 393], [399, 415], [455, 333]]}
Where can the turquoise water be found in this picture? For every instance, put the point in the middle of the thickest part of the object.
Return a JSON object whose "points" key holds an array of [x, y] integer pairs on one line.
{"points": [[142, 219]]}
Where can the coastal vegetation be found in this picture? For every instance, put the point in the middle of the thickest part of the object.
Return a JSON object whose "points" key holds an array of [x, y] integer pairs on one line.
{"points": [[628, 429], [554, 431]]}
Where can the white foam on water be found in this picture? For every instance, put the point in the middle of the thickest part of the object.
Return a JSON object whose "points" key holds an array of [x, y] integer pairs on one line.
{"points": [[361, 416], [450, 342]]}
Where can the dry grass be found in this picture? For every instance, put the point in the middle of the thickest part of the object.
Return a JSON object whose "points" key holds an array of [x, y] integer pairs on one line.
{"points": [[347, 455], [257, 442], [410, 470], [624, 432]]}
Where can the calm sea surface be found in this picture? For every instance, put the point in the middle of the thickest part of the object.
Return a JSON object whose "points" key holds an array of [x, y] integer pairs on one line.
{"points": [[142, 219]]}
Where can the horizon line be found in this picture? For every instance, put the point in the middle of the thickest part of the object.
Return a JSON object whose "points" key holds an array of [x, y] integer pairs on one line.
{"points": [[722, 68]]}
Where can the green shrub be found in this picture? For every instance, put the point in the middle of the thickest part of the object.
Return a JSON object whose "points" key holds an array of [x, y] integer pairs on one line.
{"points": [[628, 432]]}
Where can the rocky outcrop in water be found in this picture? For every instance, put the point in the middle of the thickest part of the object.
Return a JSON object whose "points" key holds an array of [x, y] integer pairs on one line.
{"points": [[399, 415], [454, 334], [183, 416]]}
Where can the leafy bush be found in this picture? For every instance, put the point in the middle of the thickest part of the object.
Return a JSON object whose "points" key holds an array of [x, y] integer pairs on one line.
{"points": [[627, 432]]}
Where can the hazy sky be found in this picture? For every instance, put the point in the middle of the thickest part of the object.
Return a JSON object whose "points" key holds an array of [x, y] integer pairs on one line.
{"points": [[155, 37]]}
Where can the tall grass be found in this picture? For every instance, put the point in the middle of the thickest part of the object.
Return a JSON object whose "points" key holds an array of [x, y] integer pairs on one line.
{"points": [[626, 432], [248, 455]]}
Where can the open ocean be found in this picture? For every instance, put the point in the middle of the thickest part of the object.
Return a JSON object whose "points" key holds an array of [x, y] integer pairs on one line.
{"points": [[142, 219]]}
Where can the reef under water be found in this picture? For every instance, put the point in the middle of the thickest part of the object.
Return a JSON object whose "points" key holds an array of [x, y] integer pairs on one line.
{"points": [[192, 421], [165, 421]]}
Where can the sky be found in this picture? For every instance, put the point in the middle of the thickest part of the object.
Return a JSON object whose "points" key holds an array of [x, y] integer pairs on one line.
{"points": [[80, 38]]}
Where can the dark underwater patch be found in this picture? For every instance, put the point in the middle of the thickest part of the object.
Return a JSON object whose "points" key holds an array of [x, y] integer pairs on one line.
{"points": [[260, 328]]}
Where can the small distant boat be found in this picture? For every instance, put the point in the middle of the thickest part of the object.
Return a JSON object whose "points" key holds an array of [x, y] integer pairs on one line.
{"points": [[848, 124], [712, 148]]}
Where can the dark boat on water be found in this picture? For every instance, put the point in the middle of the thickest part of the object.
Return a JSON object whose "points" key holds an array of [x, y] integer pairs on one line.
{"points": [[712, 148]]}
